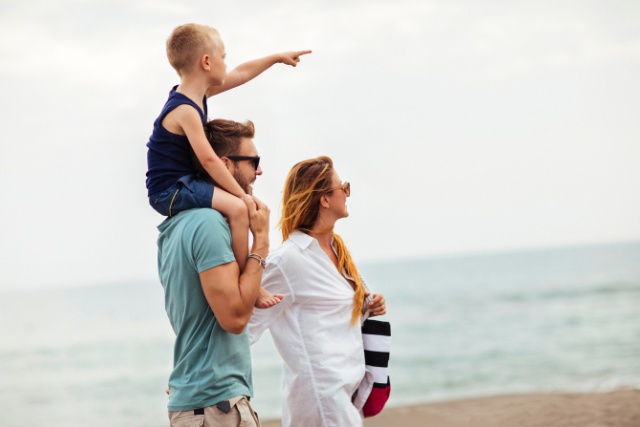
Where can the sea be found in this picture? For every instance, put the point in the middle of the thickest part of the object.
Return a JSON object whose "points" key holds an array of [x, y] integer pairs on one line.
{"points": [[561, 319]]}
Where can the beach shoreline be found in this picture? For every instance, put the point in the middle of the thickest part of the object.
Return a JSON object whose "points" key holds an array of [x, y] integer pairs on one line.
{"points": [[617, 408]]}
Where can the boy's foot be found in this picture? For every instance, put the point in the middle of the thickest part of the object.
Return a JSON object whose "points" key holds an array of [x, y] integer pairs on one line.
{"points": [[267, 299]]}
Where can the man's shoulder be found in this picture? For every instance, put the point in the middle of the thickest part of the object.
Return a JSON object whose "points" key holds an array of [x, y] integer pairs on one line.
{"points": [[193, 219], [204, 231], [200, 215]]}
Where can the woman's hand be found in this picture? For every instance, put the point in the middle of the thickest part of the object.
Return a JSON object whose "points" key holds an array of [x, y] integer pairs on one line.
{"points": [[377, 306]]}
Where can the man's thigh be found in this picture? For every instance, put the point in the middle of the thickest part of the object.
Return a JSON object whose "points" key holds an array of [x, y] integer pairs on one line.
{"points": [[240, 414]]}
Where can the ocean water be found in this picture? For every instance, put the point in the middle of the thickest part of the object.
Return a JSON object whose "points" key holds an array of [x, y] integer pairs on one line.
{"points": [[547, 320]]}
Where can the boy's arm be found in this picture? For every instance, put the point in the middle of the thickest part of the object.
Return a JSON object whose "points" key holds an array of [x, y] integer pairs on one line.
{"points": [[251, 69], [189, 120]]}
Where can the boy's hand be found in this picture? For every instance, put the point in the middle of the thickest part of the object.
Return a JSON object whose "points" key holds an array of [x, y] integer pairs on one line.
{"points": [[292, 58]]}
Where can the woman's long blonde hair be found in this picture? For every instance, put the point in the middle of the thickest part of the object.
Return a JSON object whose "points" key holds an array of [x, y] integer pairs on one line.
{"points": [[306, 183]]}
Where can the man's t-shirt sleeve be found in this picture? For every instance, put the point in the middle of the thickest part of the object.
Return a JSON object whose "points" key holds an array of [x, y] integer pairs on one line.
{"points": [[211, 240]]}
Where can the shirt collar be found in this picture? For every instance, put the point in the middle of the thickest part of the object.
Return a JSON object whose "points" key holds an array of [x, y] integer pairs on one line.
{"points": [[301, 239], [304, 241]]}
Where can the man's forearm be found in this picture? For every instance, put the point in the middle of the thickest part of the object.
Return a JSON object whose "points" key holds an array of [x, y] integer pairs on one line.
{"points": [[260, 245], [249, 281]]}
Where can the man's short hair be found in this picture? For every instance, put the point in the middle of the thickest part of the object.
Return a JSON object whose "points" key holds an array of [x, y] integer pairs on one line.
{"points": [[187, 43], [225, 137]]}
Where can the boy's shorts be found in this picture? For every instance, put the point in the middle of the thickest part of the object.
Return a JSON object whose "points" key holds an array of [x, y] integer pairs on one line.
{"points": [[188, 193]]}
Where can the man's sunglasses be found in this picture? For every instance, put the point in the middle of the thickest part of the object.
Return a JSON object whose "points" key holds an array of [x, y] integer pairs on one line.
{"points": [[254, 159]]}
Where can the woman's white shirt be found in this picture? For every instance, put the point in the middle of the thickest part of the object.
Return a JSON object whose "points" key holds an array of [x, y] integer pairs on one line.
{"points": [[311, 328]]}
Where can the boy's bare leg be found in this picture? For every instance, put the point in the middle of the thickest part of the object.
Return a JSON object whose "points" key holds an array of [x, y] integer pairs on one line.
{"points": [[237, 215], [240, 239]]}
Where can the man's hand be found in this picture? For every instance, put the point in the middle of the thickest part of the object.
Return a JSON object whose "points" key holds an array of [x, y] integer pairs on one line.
{"points": [[258, 216], [292, 58]]}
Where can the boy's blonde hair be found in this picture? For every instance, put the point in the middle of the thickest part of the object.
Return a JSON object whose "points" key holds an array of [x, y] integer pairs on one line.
{"points": [[187, 43]]}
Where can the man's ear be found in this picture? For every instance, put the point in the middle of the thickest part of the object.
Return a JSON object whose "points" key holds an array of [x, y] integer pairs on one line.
{"points": [[227, 162]]}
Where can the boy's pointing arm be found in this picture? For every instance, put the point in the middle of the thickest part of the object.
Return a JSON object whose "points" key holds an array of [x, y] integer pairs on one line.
{"points": [[251, 69]]}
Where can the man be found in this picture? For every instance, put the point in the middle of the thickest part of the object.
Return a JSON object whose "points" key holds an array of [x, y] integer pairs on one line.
{"points": [[208, 300]]}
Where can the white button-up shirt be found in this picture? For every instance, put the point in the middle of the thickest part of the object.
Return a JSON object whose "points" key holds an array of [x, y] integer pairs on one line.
{"points": [[311, 327]]}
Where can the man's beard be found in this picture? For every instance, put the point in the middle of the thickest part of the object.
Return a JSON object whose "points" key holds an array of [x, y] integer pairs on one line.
{"points": [[242, 181]]}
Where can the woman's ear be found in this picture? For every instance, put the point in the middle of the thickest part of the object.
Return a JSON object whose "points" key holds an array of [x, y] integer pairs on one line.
{"points": [[324, 201]]}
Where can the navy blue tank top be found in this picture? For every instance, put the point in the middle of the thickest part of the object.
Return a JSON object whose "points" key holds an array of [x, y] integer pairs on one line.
{"points": [[168, 154]]}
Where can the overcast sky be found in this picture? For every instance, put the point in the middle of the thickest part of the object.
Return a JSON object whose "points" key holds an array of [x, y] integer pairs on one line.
{"points": [[463, 126]]}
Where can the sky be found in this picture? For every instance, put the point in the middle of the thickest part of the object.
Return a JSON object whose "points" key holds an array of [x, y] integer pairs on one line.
{"points": [[463, 126]]}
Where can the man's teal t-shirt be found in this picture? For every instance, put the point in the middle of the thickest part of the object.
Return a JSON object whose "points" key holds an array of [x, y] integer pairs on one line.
{"points": [[209, 364]]}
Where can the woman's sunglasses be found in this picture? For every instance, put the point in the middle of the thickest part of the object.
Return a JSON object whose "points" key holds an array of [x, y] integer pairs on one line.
{"points": [[345, 186]]}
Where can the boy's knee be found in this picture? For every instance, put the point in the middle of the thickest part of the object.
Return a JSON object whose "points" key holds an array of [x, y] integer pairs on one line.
{"points": [[239, 211]]}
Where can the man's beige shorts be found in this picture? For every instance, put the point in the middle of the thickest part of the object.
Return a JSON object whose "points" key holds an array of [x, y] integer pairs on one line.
{"points": [[240, 415]]}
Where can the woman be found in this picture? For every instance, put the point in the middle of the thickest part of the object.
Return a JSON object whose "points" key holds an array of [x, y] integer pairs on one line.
{"points": [[316, 327]]}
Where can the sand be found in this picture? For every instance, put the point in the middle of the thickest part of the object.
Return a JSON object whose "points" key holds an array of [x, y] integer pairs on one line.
{"points": [[620, 408]]}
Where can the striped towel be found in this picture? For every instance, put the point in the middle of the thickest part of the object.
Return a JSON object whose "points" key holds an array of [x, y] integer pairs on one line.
{"points": [[376, 337]]}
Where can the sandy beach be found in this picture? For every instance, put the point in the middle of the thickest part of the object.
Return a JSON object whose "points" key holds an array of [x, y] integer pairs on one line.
{"points": [[620, 408]]}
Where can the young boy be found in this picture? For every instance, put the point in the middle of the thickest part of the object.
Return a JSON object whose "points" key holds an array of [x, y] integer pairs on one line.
{"points": [[197, 53]]}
